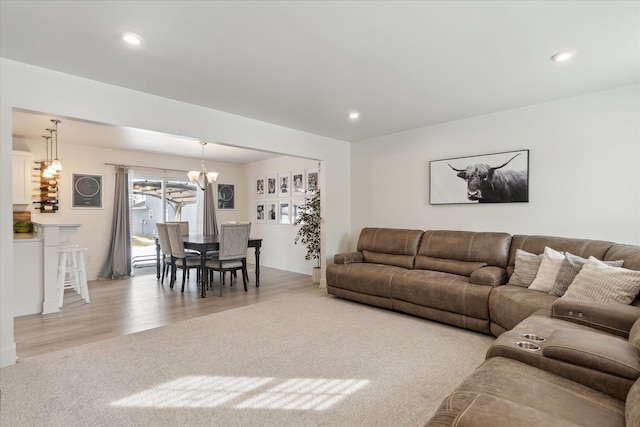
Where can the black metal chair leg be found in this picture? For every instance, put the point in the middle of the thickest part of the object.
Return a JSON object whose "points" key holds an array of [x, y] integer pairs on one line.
{"points": [[245, 274], [185, 271]]}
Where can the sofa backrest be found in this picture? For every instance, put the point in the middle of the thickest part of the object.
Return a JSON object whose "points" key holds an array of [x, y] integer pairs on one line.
{"points": [[462, 252], [535, 244], [629, 253], [391, 246]]}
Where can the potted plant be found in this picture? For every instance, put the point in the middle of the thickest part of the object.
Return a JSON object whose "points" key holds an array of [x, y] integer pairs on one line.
{"points": [[309, 232]]}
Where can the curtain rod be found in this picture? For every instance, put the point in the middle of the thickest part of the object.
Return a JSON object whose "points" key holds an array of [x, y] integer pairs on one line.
{"points": [[146, 167]]}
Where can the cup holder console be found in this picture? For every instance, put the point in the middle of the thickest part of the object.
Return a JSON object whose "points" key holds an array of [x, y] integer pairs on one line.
{"points": [[526, 345], [534, 337]]}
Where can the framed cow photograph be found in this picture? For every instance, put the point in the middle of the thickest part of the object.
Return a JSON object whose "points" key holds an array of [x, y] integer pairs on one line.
{"points": [[487, 178]]}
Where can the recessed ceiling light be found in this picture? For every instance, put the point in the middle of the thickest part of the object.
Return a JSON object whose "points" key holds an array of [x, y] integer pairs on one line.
{"points": [[563, 56], [354, 115], [131, 39]]}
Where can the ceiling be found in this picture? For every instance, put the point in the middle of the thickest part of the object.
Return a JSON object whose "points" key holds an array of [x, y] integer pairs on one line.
{"points": [[30, 125], [307, 64]]}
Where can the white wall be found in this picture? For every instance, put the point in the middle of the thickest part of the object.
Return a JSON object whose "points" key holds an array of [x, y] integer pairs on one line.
{"points": [[37, 89], [279, 251], [584, 170]]}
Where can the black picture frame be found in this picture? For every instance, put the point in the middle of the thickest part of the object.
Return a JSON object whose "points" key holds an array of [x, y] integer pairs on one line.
{"points": [[487, 178], [226, 197], [86, 191]]}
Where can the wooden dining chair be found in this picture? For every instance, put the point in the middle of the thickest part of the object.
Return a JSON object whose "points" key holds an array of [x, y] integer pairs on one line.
{"points": [[234, 242], [179, 257], [165, 248]]}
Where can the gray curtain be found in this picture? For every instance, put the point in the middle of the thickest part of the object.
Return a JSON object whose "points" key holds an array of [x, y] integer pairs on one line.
{"points": [[210, 223], [118, 264]]}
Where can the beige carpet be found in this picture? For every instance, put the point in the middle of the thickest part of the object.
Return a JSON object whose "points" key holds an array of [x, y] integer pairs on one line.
{"points": [[302, 360]]}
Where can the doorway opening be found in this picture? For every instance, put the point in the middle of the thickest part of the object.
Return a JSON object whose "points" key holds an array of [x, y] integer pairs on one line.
{"points": [[157, 199]]}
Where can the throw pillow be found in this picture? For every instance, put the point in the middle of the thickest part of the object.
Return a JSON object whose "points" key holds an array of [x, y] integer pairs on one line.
{"points": [[548, 270], [600, 282], [525, 268], [571, 265]]}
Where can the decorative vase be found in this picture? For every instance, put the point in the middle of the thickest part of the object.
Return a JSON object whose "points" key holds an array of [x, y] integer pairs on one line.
{"points": [[315, 276]]}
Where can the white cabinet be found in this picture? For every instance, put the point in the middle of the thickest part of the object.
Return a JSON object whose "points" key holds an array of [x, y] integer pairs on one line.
{"points": [[27, 276], [21, 178]]}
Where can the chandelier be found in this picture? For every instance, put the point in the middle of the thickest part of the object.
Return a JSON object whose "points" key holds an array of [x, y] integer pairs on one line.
{"points": [[202, 177]]}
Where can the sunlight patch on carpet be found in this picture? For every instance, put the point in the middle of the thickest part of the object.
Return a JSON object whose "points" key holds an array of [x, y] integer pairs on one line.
{"points": [[200, 391]]}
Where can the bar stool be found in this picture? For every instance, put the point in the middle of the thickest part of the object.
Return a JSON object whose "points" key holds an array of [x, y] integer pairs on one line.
{"points": [[71, 272]]}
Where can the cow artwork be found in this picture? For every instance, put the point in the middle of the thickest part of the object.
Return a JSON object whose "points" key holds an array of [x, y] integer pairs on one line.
{"points": [[488, 184], [489, 179]]}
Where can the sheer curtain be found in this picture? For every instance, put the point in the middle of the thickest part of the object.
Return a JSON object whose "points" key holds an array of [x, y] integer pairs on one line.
{"points": [[118, 264]]}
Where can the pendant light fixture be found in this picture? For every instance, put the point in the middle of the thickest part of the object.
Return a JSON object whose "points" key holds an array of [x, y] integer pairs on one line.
{"points": [[56, 164], [49, 160], [48, 171], [202, 177]]}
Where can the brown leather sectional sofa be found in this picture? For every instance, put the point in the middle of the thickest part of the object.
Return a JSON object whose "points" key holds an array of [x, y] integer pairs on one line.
{"points": [[578, 361]]}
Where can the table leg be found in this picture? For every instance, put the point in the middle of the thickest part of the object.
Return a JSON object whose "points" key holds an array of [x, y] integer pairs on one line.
{"points": [[257, 266], [203, 273], [157, 260]]}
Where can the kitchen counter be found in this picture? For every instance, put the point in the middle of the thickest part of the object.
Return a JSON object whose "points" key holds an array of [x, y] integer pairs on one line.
{"points": [[28, 278], [26, 237], [36, 267]]}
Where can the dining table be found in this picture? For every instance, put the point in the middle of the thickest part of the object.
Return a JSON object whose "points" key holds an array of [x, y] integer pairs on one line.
{"points": [[203, 243]]}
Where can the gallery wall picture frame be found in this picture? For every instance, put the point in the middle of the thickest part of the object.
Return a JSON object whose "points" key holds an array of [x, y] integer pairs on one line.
{"points": [[487, 178], [284, 184], [296, 209], [260, 216], [86, 191], [284, 211], [271, 185], [226, 197], [297, 183], [312, 180], [271, 211], [260, 186]]}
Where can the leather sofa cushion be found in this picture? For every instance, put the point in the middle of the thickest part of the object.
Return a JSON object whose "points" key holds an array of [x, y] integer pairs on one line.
{"points": [[389, 246], [529, 396], [444, 291], [372, 279], [488, 247], [595, 351]]}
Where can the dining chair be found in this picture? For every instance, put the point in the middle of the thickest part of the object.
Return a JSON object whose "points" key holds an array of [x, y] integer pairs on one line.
{"points": [[165, 248], [184, 226], [179, 257], [234, 242]]}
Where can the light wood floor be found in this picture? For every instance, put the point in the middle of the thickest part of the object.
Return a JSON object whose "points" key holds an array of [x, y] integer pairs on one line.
{"points": [[120, 307]]}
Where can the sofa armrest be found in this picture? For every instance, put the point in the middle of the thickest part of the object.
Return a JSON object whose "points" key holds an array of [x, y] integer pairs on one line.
{"points": [[604, 353], [611, 317], [490, 276], [348, 257]]}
